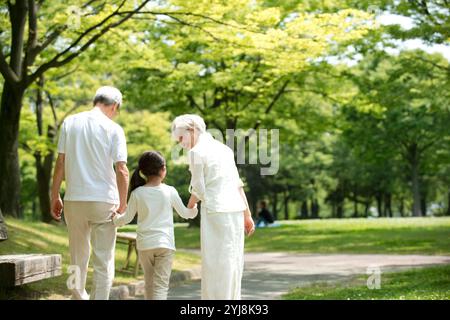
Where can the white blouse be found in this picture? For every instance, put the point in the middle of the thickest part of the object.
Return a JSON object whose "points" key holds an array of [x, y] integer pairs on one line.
{"points": [[153, 205], [214, 176]]}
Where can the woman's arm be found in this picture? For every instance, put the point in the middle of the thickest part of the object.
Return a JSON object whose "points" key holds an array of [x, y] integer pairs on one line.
{"points": [[197, 185], [249, 225], [177, 203]]}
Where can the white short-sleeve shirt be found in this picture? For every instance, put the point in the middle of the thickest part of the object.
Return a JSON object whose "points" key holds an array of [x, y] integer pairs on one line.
{"points": [[92, 143]]}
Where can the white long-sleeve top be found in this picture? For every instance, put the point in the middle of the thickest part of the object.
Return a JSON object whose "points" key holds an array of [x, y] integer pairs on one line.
{"points": [[154, 207], [214, 176]]}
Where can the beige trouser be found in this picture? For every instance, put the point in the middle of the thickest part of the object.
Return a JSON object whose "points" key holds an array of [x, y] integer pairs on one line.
{"points": [[89, 223], [157, 265]]}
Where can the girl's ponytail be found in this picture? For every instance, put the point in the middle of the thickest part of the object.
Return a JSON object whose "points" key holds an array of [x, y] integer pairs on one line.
{"points": [[150, 164], [136, 181]]}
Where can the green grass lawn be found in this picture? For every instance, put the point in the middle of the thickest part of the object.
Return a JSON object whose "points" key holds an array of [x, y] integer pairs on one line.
{"points": [[431, 283], [36, 237], [387, 236]]}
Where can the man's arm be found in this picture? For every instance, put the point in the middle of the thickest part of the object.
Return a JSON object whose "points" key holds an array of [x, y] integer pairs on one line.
{"points": [[58, 177], [122, 184]]}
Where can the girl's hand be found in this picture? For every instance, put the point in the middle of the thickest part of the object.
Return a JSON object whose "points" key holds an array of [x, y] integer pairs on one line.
{"points": [[192, 202]]}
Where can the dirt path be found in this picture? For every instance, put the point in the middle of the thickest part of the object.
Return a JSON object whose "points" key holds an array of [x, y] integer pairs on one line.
{"points": [[269, 275]]}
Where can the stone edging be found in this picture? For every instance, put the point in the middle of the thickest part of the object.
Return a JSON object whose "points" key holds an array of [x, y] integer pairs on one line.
{"points": [[130, 291]]}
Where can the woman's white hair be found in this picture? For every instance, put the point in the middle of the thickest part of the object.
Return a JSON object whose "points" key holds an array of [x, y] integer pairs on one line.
{"points": [[186, 122]]}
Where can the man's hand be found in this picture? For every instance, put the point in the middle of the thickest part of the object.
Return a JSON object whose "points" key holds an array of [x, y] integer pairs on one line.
{"points": [[57, 207], [249, 225], [58, 176]]}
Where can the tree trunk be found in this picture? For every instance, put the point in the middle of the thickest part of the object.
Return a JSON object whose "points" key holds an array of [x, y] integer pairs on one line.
{"points": [[315, 209], [304, 210], [275, 204], [388, 204], [355, 208], [10, 107], [3, 231], [423, 205], [340, 209], [379, 205], [417, 211], [402, 207], [44, 164], [43, 175], [340, 200], [366, 208], [448, 204], [9, 156], [286, 206]]}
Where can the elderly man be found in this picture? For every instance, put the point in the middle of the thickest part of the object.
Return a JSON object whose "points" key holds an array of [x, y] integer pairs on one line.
{"points": [[225, 214], [89, 145]]}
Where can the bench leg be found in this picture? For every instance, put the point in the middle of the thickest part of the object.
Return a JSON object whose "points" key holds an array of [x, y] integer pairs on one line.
{"points": [[130, 249], [136, 267]]}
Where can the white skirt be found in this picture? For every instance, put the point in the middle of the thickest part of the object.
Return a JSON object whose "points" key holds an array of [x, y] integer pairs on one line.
{"points": [[222, 246]]}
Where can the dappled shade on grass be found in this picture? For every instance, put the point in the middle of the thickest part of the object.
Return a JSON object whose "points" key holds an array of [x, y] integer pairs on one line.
{"points": [[423, 283]]}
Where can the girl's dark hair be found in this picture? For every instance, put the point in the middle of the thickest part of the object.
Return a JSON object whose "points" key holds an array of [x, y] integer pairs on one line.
{"points": [[150, 164]]}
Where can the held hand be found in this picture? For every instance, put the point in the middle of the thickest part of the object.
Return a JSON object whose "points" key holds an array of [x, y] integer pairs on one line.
{"points": [[115, 213], [121, 209], [249, 225], [56, 208], [192, 202]]}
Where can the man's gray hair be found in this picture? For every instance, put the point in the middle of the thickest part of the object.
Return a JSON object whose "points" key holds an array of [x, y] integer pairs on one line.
{"points": [[108, 96], [186, 122]]}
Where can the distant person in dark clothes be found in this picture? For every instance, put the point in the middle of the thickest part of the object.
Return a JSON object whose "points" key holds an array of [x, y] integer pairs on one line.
{"points": [[264, 216]]}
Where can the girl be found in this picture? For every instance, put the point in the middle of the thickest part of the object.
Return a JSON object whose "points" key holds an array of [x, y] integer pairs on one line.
{"points": [[153, 201]]}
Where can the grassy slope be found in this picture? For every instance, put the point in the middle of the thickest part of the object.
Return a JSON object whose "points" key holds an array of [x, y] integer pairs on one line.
{"points": [[35, 237]]}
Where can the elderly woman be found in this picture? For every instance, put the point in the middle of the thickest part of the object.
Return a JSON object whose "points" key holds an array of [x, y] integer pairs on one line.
{"points": [[225, 215]]}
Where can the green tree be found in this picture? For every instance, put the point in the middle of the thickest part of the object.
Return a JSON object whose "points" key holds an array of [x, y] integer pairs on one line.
{"points": [[37, 37], [408, 101]]}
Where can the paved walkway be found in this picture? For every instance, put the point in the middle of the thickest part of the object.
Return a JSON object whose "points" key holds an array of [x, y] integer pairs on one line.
{"points": [[269, 275]]}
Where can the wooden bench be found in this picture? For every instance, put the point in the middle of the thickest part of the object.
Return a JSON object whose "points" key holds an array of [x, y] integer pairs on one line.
{"points": [[3, 232], [129, 238], [18, 269]]}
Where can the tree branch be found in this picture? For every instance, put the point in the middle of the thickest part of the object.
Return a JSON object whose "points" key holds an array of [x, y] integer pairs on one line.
{"points": [[6, 71], [31, 52], [172, 13], [277, 96], [202, 111], [52, 107], [54, 63]]}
